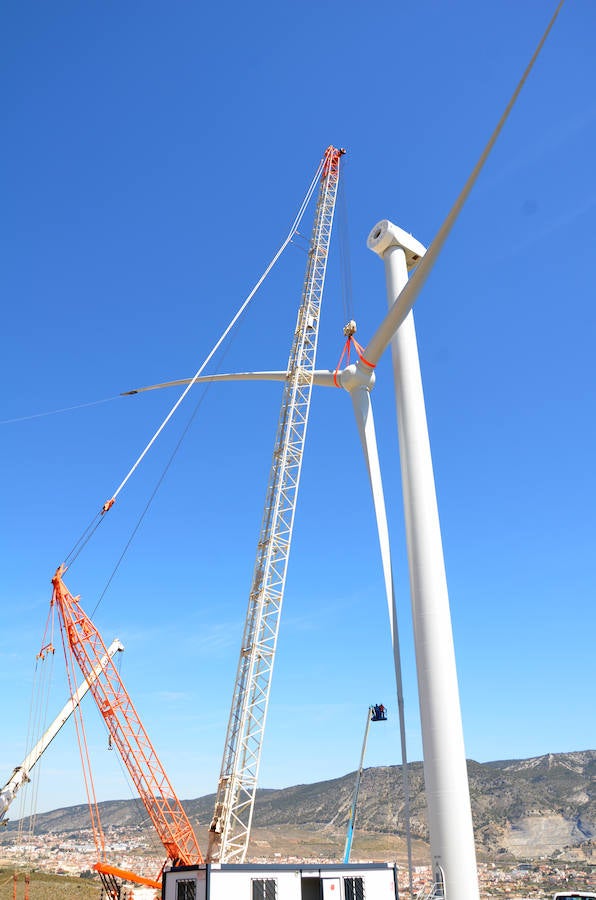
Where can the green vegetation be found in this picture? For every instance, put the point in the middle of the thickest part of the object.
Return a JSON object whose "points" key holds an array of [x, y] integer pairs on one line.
{"points": [[48, 887]]}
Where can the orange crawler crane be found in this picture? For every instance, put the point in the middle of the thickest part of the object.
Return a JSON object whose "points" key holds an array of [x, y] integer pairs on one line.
{"points": [[83, 643]]}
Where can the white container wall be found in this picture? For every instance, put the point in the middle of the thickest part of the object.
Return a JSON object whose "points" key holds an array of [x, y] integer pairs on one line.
{"points": [[368, 881]]}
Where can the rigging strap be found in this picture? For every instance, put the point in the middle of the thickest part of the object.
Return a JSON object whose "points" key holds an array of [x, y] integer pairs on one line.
{"points": [[351, 340]]}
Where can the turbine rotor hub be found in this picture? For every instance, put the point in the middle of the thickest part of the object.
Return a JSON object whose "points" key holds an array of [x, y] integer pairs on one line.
{"points": [[355, 376]]}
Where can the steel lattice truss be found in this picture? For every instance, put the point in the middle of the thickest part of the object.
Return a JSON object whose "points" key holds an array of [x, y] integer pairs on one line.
{"points": [[230, 828], [83, 642]]}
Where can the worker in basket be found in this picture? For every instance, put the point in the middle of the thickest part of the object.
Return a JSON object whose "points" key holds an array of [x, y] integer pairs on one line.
{"points": [[379, 713]]}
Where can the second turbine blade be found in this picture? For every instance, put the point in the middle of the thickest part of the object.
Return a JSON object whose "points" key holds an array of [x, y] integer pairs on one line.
{"points": [[361, 402]]}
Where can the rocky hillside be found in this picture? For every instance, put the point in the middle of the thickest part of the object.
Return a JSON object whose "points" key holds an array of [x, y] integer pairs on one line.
{"points": [[544, 806]]}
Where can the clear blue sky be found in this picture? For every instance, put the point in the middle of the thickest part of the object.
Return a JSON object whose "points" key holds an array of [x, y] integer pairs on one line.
{"points": [[153, 157]]}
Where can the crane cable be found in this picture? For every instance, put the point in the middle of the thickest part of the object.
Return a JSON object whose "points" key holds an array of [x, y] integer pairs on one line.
{"points": [[344, 251], [38, 714], [77, 714], [159, 481], [145, 510], [94, 524], [219, 342], [54, 412]]}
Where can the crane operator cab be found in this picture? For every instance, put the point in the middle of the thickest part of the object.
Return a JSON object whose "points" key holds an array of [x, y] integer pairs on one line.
{"points": [[378, 713]]}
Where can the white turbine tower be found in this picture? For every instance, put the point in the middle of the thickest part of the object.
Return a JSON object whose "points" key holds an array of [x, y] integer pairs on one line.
{"points": [[447, 792], [445, 772]]}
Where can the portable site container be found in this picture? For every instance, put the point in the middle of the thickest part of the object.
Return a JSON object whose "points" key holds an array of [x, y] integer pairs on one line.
{"points": [[332, 881]]}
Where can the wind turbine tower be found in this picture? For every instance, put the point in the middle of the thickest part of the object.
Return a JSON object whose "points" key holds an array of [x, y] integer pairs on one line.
{"points": [[445, 772]]}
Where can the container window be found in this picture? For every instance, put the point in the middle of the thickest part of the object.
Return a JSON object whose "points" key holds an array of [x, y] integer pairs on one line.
{"points": [[264, 889], [186, 889], [354, 888]]}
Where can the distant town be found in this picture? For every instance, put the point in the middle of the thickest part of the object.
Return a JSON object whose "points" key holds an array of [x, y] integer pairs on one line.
{"points": [[132, 848]]}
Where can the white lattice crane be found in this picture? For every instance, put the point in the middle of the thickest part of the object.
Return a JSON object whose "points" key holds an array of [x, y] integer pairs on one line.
{"points": [[230, 828]]}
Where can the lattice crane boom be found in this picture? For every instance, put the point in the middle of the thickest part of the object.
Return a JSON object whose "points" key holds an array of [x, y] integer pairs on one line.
{"points": [[230, 828], [84, 642]]}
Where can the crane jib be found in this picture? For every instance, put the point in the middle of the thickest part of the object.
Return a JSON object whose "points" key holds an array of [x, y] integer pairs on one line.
{"points": [[234, 804]]}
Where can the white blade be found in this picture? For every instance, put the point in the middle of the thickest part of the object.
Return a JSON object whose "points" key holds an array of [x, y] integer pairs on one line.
{"points": [[366, 427], [408, 296], [322, 377]]}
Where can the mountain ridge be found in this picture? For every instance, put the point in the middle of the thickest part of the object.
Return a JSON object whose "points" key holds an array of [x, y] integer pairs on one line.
{"points": [[540, 806]]}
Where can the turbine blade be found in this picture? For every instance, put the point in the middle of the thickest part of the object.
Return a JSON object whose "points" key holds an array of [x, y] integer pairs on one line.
{"points": [[322, 377], [366, 428], [408, 296]]}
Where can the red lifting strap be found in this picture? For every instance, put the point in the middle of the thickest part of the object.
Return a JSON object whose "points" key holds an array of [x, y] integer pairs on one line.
{"points": [[359, 352], [343, 353]]}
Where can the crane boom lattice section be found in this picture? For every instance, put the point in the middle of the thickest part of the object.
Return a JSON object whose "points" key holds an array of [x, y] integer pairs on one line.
{"points": [[126, 729], [230, 828]]}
